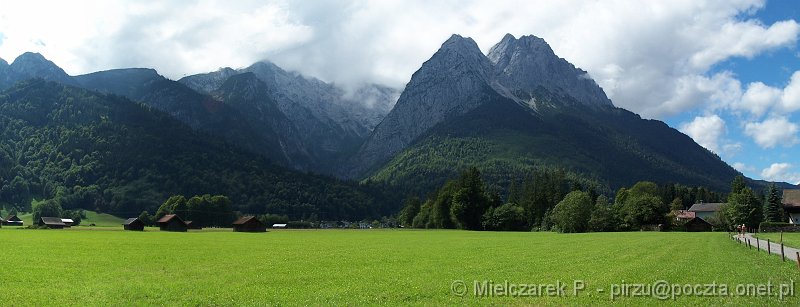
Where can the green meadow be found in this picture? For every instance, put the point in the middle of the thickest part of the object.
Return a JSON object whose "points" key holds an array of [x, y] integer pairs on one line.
{"points": [[789, 238], [104, 266]]}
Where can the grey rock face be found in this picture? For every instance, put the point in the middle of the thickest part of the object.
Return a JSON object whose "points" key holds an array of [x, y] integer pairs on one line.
{"points": [[328, 120], [459, 77], [525, 64], [250, 96], [208, 82], [454, 81]]}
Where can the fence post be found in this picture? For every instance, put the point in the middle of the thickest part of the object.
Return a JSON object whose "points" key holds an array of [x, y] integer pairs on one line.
{"points": [[783, 256], [769, 248], [797, 257], [748, 243]]}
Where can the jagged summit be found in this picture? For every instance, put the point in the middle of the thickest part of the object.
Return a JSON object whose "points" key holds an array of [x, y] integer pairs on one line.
{"points": [[528, 64]]}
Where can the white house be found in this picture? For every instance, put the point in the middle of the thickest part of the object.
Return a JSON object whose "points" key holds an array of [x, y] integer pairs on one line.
{"points": [[791, 204], [706, 210]]}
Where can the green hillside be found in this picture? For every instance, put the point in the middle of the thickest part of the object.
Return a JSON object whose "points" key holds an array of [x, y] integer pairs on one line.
{"points": [[98, 219], [610, 146], [108, 154]]}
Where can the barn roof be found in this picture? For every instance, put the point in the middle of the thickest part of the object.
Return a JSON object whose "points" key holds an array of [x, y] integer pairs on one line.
{"points": [[55, 221], [706, 207], [243, 220], [685, 214], [12, 217], [67, 221], [791, 198], [130, 221], [169, 217]]}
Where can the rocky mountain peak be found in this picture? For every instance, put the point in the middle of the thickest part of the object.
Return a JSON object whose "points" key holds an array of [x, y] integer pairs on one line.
{"points": [[246, 85], [3, 63], [208, 82], [528, 64], [34, 65]]}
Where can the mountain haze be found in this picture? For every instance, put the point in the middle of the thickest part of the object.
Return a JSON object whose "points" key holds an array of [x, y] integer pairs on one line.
{"points": [[330, 122]]}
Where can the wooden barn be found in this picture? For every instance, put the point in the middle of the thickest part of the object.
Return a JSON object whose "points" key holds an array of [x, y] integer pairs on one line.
{"points": [[192, 225], [249, 224], [133, 224], [172, 222], [51, 222], [13, 220], [698, 225]]}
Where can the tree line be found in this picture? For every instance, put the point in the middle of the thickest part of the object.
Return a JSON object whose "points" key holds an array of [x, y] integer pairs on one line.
{"points": [[548, 200]]}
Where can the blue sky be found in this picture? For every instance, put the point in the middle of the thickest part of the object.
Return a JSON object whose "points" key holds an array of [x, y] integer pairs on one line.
{"points": [[773, 68], [719, 71]]}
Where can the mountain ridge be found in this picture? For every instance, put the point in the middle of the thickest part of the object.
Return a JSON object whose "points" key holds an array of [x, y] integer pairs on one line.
{"points": [[526, 95]]}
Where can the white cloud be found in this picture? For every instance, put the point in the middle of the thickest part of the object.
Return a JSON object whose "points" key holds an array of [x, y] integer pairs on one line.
{"points": [[773, 132], [782, 172], [706, 131], [744, 39], [759, 98], [744, 168], [176, 38], [790, 98], [652, 58]]}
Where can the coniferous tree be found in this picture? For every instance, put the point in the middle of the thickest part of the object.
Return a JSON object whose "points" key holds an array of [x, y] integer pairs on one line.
{"points": [[773, 211]]}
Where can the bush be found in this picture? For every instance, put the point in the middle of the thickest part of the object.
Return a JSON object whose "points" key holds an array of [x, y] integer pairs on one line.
{"points": [[777, 226]]}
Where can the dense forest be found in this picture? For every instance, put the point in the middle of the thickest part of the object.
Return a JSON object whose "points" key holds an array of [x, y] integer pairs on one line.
{"points": [[86, 150], [548, 199]]}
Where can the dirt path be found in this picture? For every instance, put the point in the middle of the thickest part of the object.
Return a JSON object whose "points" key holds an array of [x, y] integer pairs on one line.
{"points": [[774, 248]]}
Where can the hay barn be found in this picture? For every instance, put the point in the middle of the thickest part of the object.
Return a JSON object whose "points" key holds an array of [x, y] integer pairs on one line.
{"points": [[249, 224], [134, 224], [51, 222], [172, 222]]}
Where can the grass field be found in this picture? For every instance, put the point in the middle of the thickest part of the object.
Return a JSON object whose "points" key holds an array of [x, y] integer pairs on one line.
{"points": [[95, 266], [789, 238]]}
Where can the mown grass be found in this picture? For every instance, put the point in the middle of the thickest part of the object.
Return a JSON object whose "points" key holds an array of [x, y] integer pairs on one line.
{"points": [[789, 238], [366, 267]]}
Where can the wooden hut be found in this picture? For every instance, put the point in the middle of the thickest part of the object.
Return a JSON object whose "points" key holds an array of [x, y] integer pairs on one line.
{"points": [[697, 225], [193, 225], [13, 220], [133, 224], [172, 222], [249, 224], [51, 222]]}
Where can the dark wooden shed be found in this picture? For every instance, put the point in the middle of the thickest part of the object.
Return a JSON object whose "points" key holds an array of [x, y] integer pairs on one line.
{"points": [[13, 220], [51, 222], [193, 225], [133, 224], [172, 222], [698, 225], [249, 224]]}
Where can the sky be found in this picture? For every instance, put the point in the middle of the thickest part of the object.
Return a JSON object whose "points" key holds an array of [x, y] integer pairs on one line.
{"points": [[726, 73]]}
